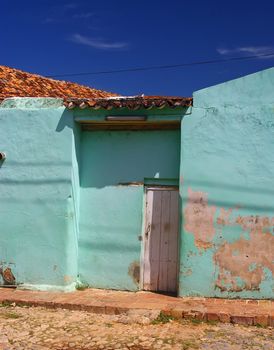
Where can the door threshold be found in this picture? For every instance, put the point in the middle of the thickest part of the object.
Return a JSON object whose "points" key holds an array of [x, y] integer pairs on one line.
{"points": [[170, 294]]}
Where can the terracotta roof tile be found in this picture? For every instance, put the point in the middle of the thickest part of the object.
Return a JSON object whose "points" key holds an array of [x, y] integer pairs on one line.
{"points": [[130, 102], [16, 83]]}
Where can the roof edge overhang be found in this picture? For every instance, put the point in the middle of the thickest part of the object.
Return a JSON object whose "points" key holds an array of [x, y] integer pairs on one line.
{"points": [[31, 102], [130, 102]]}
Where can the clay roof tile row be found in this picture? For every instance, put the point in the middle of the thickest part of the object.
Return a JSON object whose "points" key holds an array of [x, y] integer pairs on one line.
{"points": [[132, 103], [16, 83]]}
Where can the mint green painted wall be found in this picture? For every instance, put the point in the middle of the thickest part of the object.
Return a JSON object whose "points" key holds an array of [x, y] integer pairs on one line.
{"points": [[37, 234], [63, 212], [227, 189], [111, 214]]}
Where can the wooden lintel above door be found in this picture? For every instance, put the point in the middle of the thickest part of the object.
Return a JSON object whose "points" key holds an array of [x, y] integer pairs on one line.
{"points": [[131, 125]]}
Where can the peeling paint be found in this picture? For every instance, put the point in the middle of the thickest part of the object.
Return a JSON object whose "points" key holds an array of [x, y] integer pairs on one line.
{"points": [[226, 161], [187, 272], [241, 264], [256, 224], [8, 276], [246, 259], [199, 219], [224, 216], [68, 279]]}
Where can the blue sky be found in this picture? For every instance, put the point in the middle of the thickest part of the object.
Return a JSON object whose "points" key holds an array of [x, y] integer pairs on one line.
{"points": [[57, 36]]}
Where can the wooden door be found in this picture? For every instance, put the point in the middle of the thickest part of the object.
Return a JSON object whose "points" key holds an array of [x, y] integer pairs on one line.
{"points": [[160, 261]]}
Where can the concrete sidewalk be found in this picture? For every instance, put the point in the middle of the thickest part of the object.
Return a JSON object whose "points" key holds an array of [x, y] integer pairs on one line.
{"points": [[247, 312]]}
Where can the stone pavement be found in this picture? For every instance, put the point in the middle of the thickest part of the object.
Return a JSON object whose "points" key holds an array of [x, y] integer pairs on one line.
{"points": [[28, 328], [245, 312]]}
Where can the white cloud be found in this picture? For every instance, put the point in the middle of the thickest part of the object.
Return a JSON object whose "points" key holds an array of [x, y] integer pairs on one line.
{"points": [[71, 5], [248, 50], [83, 15], [64, 18], [48, 20], [66, 12], [223, 51], [98, 43]]}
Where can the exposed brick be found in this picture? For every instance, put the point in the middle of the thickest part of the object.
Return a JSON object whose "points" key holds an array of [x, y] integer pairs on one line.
{"points": [[218, 301], [245, 312], [98, 309], [252, 301], [176, 313], [88, 308], [197, 315], [265, 302], [244, 320], [225, 318], [69, 306], [210, 316], [261, 320], [122, 310], [110, 310], [188, 315], [201, 316]]}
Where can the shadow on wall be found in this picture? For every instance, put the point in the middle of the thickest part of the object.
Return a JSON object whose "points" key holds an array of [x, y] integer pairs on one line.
{"points": [[230, 186], [66, 120], [111, 246], [244, 194], [110, 158]]}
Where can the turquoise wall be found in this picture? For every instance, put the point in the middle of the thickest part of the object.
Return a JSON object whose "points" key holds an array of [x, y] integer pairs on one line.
{"points": [[37, 234], [227, 189], [69, 215], [45, 213], [110, 209]]}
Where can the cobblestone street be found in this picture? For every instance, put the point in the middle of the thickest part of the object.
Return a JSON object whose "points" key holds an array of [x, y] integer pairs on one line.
{"points": [[40, 328]]}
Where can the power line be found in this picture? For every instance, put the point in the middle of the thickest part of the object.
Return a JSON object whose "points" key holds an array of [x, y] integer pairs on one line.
{"points": [[168, 66]]}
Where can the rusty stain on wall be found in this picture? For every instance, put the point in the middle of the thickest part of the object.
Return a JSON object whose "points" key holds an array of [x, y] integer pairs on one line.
{"points": [[134, 271], [199, 219], [241, 263]]}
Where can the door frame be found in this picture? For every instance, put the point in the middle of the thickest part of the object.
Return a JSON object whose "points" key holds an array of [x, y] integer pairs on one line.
{"points": [[144, 229]]}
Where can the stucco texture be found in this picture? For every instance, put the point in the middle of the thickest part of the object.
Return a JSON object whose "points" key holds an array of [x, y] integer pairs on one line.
{"points": [[69, 215], [111, 209], [37, 235], [227, 188]]}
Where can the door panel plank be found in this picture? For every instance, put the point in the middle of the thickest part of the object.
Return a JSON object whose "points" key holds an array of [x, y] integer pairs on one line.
{"points": [[148, 222], [173, 242], [161, 240], [165, 228], [155, 240]]}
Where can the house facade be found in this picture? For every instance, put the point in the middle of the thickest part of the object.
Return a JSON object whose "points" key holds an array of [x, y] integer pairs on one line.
{"points": [[154, 193]]}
